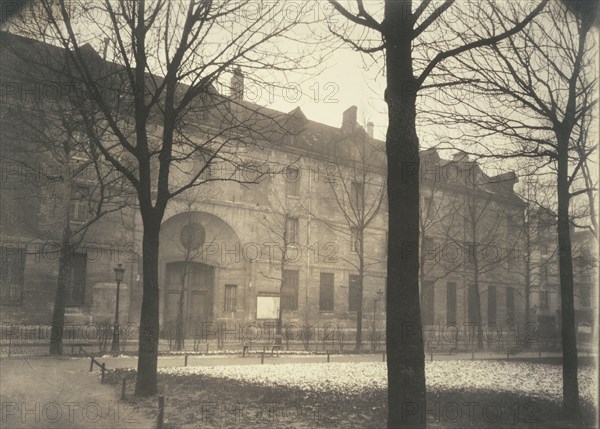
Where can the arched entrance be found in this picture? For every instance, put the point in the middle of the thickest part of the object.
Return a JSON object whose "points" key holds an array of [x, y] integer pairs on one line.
{"points": [[189, 290], [196, 268]]}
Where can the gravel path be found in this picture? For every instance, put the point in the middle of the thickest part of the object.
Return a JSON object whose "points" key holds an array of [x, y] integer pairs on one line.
{"points": [[61, 393]]}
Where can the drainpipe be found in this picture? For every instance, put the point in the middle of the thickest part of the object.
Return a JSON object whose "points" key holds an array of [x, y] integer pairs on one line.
{"points": [[308, 245]]}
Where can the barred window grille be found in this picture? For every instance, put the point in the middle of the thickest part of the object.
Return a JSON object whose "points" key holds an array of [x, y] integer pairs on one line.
{"points": [[491, 305], [510, 305], [358, 195], [12, 273], [451, 303], [472, 304], [292, 182], [230, 297], [291, 226], [289, 292], [354, 292], [79, 206], [326, 292]]}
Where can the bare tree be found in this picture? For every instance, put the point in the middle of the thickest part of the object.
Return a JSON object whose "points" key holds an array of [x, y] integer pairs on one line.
{"points": [[439, 215], [191, 243], [488, 227], [80, 188], [357, 182], [537, 249], [537, 90], [282, 224], [401, 34], [159, 103]]}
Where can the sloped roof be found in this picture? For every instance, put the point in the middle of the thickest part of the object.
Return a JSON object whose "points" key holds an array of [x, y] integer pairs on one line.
{"points": [[292, 130]]}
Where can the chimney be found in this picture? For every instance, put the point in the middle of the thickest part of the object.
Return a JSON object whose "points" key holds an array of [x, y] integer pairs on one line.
{"points": [[237, 84], [460, 156], [349, 119], [370, 127], [430, 155], [106, 42]]}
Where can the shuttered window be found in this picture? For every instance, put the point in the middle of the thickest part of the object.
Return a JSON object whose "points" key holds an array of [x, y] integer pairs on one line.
{"points": [[326, 292]]}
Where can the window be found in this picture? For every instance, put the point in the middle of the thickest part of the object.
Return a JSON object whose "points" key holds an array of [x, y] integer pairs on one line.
{"points": [[472, 304], [544, 299], [358, 195], [471, 253], [289, 290], [510, 305], [544, 274], [326, 292], [585, 295], [75, 294], [354, 293], [428, 305], [354, 241], [12, 273], [230, 297], [491, 305], [291, 230], [292, 181], [79, 206], [451, 303]]}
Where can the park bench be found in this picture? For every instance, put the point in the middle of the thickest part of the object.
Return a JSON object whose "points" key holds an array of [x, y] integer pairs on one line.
{"points": [[79, 346], [274, 345], [434, 347]]}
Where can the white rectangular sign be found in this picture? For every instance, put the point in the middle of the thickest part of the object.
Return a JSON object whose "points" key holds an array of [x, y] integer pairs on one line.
{"points": [[267, 307]]}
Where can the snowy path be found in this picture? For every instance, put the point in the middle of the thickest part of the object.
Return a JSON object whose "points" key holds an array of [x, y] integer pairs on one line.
{"points": [[61, 393]]}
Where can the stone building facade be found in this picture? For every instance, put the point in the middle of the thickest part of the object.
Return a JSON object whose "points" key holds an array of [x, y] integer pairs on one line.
{"points": [[545, 290], [221, 243]]}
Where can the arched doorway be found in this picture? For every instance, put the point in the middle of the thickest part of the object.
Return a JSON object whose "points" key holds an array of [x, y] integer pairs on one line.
{"points": [[189, 290], [198, 263]]}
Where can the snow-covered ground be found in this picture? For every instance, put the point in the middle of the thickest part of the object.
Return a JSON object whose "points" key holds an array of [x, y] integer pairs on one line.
{"points": [[534, 380]]}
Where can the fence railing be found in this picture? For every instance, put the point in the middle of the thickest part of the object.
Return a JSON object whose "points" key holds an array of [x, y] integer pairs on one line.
{"points": [[95, 338], [28, 340]]}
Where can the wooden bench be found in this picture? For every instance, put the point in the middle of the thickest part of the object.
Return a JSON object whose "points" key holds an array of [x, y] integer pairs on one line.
{"points": [[80, 348], [441, 348], [272, 344]]}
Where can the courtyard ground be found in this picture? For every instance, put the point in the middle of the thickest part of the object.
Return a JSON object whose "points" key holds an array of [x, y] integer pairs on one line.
{"points": [[61, 393], [287, 391]]}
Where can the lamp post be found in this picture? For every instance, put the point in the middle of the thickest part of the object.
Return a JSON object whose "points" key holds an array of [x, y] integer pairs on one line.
{"points": [[375, 301], [119, 274]]}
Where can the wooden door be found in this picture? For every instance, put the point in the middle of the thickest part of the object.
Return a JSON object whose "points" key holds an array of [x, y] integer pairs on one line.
{"points": [[198, 311]]}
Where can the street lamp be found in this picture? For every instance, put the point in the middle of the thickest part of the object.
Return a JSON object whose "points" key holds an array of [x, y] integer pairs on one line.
{"points": [[119, 274], [375, 301]]}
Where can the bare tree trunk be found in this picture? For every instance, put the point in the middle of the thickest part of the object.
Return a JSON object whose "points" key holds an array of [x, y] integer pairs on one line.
{"points": [[569, 342], [527, 272], [359, 310], [64, 279], [405, 353], [477, 303], [361, 282], [278, 326], [179, 327], [64, 267], [146, 382]]}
